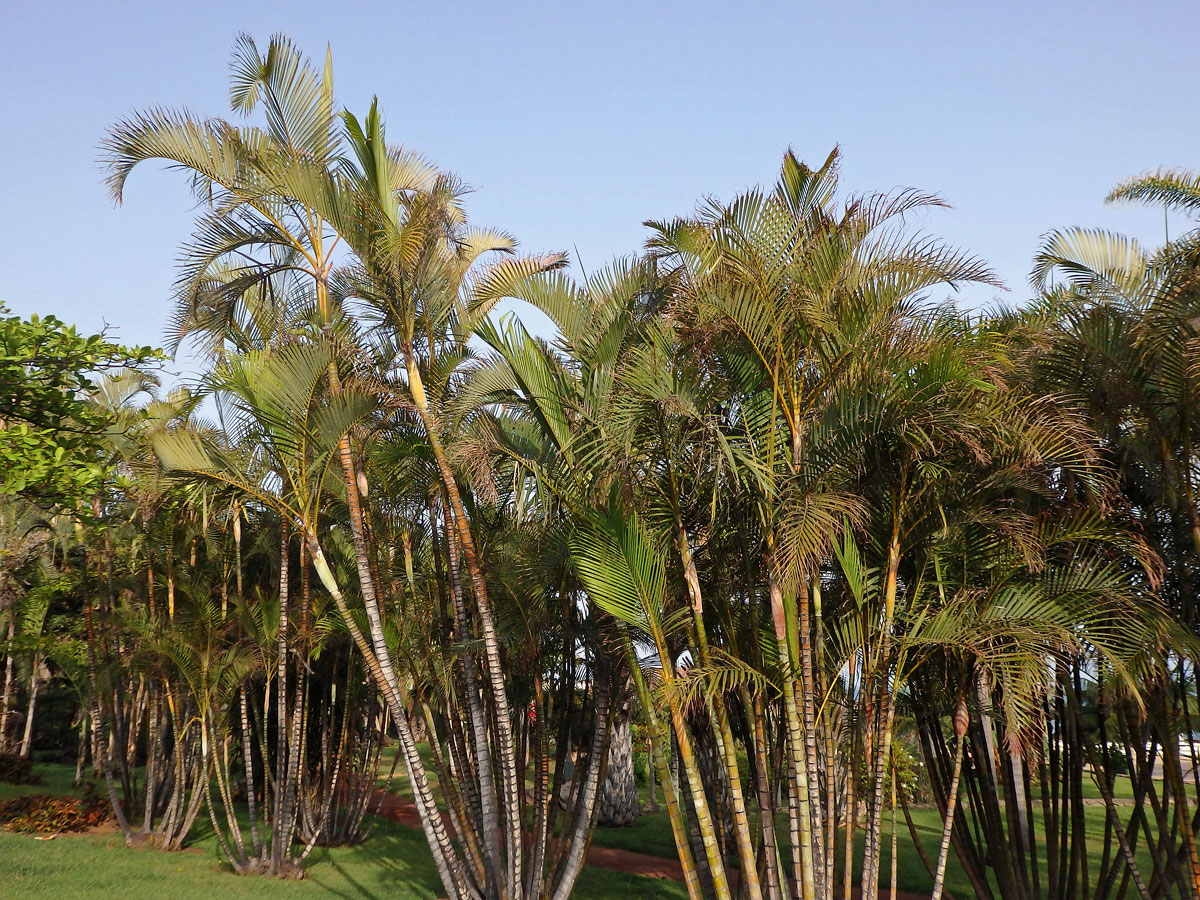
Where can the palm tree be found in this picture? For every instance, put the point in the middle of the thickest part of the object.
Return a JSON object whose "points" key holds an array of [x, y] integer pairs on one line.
{"points": [[281, 189], [1122, 341], [803, 295], [31, 613], [202, 655], [280, 405], [585, 457]]}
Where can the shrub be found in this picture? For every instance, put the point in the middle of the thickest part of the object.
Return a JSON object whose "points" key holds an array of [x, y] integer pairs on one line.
{"points": [[16, 769]]}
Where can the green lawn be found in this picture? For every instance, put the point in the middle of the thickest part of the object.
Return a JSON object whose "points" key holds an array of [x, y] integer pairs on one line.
{"points": [[394, 863], [57, 779], [652, 834]]}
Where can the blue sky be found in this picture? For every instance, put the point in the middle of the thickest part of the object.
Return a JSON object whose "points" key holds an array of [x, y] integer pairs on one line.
{"points": [[577, 121]]}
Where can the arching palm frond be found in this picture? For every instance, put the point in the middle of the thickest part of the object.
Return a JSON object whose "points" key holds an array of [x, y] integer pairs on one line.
{"points": [[623, 570], [1177, 189]]}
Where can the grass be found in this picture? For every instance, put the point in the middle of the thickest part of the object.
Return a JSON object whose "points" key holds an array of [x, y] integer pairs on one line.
{"points": [[393, 863], [652, 835], [57, 779]]}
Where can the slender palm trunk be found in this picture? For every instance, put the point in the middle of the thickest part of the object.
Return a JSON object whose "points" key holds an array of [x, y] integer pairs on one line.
{"points": [[892, 855], [799, 812], [490, 813], [278, 850], [446, 861], [915, 839], [542, 791], [851, 810], [807, 703], [766, 806], [660, 753], [154, 710], [299, 714], [35, 684], [960, 730], [587, 802], [828, 756], [94, 706], [741, 821], [9, 681], [691, 768], [248, 762], [886, 710], [511, 781]]}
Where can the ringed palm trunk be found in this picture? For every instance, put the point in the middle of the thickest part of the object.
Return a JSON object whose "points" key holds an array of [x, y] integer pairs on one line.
{"points": [[491, 643], [895, 840], [490, 815], [445, 858], [848, 847], [691, 768], [248, 762], [299, 714], [757, 714], [808, 709], [34, 686], [1118, 828], [542, 788], [587, 803], [278, 851], [661, 755], [887, 709], [9, 680], [799, 812], [94, 709], [741, 821], [960, 731], [1174, 774], [829, 759], [152, 754]]}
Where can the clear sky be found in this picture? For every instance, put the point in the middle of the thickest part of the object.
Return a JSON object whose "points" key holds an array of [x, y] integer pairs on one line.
{"points": [[577, 121]]}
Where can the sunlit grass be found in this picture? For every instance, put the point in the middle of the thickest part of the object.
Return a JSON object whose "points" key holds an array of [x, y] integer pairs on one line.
{"points": [[393, 863]]}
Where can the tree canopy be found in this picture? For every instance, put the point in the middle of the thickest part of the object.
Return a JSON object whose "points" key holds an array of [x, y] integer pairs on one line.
{"points": [[53, 439]]}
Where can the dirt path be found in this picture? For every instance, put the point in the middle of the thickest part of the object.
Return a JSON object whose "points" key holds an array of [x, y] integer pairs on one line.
{"points": [[404, 811]]}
